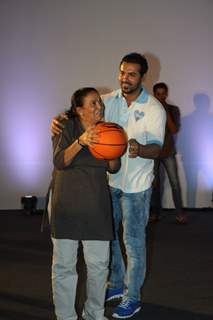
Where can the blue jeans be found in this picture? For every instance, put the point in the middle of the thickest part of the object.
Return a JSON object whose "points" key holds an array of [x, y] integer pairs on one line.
{"points": [[170, 165], [132, 209]]}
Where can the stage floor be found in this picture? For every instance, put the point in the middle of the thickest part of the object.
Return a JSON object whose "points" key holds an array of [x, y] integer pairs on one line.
{"points": [[179, 283]]}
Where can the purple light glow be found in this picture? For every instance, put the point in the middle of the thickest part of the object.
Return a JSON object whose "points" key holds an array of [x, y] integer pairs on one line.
{"points": [[28, 149], [206, 160]]}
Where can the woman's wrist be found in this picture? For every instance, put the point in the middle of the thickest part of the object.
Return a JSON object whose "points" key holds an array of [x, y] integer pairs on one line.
{"points": [[80, 142]]}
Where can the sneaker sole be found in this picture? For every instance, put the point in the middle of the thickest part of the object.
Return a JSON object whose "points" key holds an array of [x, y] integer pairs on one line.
{"points": [[116, 296], [117, 316]]}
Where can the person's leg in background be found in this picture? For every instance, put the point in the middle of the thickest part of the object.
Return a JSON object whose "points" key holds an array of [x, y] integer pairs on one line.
{"points": [[64, 278], [96, 256], [156, 194], [170, 165]]}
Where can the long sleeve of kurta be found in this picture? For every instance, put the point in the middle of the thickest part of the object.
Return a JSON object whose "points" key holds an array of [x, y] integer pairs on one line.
{"points": [[60, 143]]}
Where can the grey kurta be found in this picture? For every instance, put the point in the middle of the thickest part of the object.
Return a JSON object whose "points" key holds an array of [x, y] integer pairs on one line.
{"points": [[81, 203]]}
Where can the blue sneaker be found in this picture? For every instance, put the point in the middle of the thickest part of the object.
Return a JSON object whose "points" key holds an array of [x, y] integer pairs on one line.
{"points": [[114, 293], [126, 309]]}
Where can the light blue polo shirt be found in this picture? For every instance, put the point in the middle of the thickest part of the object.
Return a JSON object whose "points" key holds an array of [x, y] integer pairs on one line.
{"points": [[144, 120]]}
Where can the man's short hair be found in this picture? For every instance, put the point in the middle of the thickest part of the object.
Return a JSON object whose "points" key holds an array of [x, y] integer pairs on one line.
{"points": [[160, 85], [138, 58]]}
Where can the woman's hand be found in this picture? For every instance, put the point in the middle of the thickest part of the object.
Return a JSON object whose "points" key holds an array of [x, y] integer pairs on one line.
{"points": [[90, 136], [114, 165]]}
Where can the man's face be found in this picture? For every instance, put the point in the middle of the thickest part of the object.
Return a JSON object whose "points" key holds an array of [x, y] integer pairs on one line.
{"points": [[161, 95], [130, 78]]}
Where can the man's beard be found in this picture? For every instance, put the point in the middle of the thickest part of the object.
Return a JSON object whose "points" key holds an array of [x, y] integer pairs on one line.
{"points": [[127, 88]]}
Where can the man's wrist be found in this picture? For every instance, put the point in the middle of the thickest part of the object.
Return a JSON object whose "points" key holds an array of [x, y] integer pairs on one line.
{"points": [[140, 150]]}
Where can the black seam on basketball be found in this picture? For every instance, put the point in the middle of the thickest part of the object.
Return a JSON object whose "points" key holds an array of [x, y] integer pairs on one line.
{"points": [[112, 130], [112, 126], [98, 153], [110, 144]]}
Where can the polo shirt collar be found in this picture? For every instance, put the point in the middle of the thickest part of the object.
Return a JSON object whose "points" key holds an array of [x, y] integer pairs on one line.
{"points": [[142, 98]]}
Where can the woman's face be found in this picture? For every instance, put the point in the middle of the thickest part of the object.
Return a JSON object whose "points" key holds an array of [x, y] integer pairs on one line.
{"points": [[92, 110]]}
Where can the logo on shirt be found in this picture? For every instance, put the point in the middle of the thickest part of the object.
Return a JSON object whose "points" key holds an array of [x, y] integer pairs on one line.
{"points": [[138, 115]]}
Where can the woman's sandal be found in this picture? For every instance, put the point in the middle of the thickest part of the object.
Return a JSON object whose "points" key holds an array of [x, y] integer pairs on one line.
{"points": [[181, 218]]}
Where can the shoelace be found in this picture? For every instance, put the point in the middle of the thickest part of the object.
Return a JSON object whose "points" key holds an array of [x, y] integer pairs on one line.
{"points": [[125, 303]]}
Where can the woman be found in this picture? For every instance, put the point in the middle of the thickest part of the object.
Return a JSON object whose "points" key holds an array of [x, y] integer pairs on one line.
{"points": [[81, 209]]}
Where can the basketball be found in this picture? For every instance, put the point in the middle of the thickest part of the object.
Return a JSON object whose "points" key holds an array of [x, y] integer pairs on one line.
{"points": [[112, 141]]}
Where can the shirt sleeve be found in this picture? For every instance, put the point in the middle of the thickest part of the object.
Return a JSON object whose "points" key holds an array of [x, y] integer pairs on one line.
{"points": [[156, 122], [175, 114]]}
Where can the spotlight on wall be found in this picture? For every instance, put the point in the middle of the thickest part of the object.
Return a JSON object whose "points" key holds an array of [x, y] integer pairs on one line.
{"points": [[29, 204]]}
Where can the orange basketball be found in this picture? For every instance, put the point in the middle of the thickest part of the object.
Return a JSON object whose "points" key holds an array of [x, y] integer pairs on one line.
{"points": [[112, 141]]}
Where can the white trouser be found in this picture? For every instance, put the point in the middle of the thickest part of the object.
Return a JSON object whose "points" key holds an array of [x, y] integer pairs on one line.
{"points": [[64, 277]]}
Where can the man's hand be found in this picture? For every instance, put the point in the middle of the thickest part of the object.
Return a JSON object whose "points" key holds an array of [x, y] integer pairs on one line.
{"points": [[56, 126], [134, 148]]}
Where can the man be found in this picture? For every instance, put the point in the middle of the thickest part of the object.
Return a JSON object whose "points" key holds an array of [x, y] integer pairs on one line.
{"points": [[143, 118], [167, 158]]}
